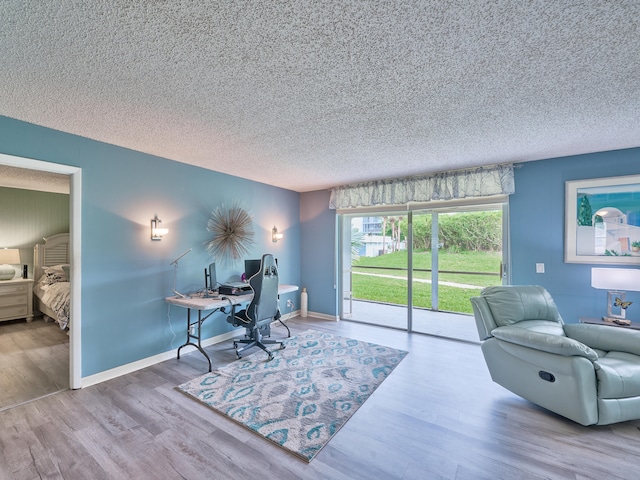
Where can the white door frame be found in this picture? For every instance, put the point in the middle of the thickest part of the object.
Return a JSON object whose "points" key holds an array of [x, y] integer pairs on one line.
{"points": [[75, 181]]}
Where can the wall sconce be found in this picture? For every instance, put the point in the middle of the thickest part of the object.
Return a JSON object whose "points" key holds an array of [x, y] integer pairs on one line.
{"points": [[275, 236], [616, 281], [157, 232], [8, 257]]}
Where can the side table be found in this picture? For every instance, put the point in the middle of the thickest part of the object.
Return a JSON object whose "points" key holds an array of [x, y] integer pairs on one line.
{"points": [[599, 321], [16, 299]]}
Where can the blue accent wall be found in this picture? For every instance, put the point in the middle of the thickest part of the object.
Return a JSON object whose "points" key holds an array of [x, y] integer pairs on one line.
{"points": [[125, 275], [318, 251], [537, 230]]}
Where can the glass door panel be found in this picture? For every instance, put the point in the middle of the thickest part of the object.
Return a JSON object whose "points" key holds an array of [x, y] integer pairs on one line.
{"points": [[463, 250], [346, 305], [378, 270]]}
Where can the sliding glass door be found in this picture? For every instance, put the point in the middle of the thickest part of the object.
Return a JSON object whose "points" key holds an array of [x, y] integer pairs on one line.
{"points": [[456, 254], [417, 270], [375, 270]]}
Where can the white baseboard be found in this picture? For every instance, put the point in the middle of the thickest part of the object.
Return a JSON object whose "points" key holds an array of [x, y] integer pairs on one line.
{"points": [[149, 361], [323, 316], [289, 315]]}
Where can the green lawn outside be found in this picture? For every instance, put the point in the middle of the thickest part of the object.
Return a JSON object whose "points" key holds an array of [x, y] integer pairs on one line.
{"points": [[368, 285]]}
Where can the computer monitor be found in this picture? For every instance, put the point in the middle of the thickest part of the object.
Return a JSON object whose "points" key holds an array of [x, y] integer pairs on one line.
{"points": [[210, 278], [252, 266]]}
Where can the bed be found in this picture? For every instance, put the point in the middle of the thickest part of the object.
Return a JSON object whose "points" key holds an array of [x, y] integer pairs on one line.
{"points": [[51, 275]]}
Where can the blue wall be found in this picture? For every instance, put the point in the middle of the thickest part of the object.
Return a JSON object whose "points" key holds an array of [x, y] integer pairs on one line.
{"points": [[537, 235], [537, 230], [318, 224], [125, 275]]}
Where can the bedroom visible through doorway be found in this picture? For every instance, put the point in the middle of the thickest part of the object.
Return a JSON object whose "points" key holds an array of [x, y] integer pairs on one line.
{"points": [[35, 361], [35, 169], [34, 352]]}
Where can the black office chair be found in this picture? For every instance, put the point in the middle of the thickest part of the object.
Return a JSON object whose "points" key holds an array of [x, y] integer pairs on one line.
{"points": [[262, 310]]}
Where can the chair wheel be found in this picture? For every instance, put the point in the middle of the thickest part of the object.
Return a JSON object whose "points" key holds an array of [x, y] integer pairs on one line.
{"points": [[235, 345], [270, 358], [239, 356], [282, 346]]}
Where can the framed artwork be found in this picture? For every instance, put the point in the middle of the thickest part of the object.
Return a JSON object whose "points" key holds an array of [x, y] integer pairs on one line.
{"points": [[602, 220]]}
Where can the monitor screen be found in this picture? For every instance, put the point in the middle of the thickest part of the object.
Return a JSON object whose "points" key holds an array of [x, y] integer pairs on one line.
{"points": [[252, 266], [210, 279]]}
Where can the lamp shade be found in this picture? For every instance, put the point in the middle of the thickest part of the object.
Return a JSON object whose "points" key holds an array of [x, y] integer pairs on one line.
{"points": [[8, 257], [616, 279]]}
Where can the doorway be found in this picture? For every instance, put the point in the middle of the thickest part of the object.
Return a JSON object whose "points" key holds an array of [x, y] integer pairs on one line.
{"points": [[31, 166]]}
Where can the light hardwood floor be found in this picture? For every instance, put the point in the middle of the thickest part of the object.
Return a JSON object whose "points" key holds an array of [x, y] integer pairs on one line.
{"points": [[34, 360], [437, 416]]}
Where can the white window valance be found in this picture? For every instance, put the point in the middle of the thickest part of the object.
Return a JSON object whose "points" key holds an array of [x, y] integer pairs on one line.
{"points": [[476, 182]]}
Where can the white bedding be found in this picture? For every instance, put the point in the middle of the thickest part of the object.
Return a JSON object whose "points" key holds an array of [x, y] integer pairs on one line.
{"points": [[56, 297]]}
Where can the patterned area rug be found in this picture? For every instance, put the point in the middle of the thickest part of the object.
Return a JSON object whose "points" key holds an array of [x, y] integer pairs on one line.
{"points": [[301, 398]]}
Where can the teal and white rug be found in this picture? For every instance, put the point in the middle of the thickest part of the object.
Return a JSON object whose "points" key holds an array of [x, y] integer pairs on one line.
{"points": [[301, 398]]}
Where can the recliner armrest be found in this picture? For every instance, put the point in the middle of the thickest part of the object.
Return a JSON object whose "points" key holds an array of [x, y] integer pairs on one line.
{"points": [[555, 344], [484, 319], [604, 337]]}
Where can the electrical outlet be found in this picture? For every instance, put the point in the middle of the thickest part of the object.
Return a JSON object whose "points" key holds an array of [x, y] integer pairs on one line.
{"points": [[539, 267], [289, 303]]}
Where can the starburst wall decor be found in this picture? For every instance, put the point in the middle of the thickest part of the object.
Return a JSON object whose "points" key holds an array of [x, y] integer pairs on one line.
{"points": [[232, 230]]}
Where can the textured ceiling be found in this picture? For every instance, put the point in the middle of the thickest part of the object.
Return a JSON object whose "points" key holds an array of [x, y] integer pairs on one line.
{"points": [[33, 180], [307, 95]]}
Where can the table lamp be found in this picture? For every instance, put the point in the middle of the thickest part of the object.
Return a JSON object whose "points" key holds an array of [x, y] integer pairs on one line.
{"points": [[8, 257], [616, 281]]}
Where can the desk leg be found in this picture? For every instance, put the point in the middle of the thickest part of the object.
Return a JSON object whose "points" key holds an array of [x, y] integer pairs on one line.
{"points": [[197, 337]]}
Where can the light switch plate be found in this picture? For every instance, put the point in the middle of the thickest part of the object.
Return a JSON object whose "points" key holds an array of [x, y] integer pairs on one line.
{"points": [[539, 267]]}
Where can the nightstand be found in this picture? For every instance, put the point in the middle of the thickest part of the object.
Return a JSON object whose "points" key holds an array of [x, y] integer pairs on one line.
{"points": [[16, 299]]}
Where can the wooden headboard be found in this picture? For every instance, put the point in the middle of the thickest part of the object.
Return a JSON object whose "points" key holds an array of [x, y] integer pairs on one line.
{"points": [[55, 251]]}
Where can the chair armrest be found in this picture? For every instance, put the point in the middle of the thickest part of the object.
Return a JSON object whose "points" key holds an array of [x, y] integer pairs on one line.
{"points": [[545, 342], [604, 337], [484, 319]]}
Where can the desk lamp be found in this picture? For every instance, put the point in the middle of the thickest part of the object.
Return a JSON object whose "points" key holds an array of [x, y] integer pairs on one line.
{"points": [[175, 275], [8, 257], [616, 281]]}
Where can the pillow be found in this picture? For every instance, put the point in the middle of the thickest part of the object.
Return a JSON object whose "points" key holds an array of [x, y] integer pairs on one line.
{"points": [[55, 274]]}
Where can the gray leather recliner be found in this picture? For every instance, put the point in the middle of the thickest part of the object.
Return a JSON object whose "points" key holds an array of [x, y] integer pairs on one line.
{"points": [[587, 373]]}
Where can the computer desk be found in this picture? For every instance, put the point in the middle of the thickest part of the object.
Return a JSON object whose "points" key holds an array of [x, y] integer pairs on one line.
{"points": [[211, 305]]}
